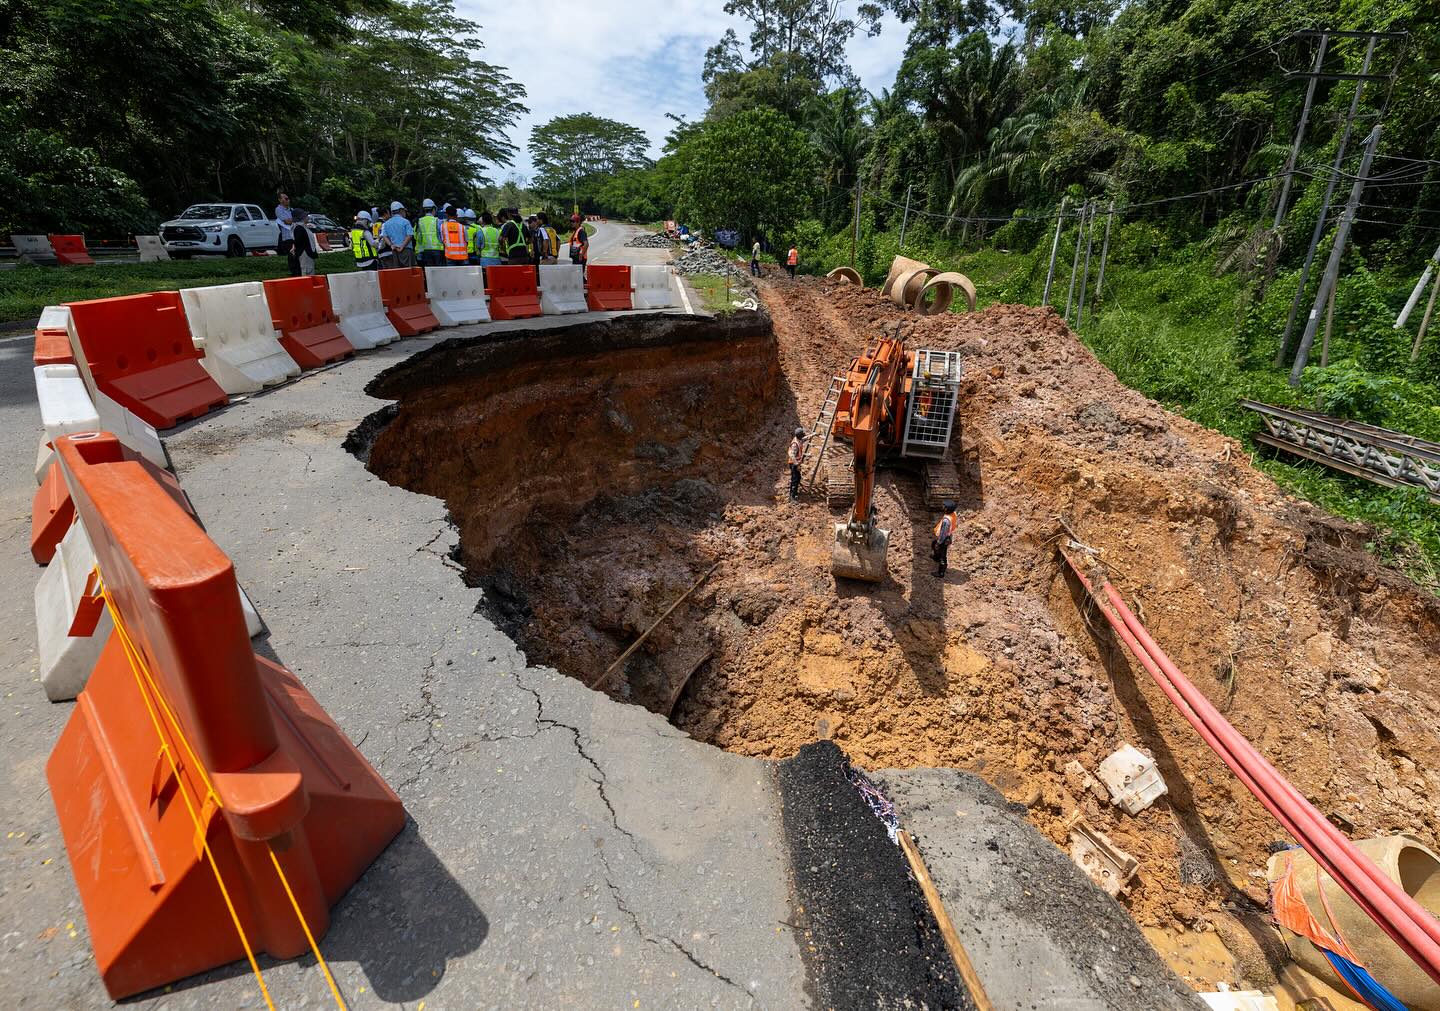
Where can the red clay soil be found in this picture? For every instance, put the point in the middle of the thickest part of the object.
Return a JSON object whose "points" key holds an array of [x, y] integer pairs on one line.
{"points": [[1319, 655]]}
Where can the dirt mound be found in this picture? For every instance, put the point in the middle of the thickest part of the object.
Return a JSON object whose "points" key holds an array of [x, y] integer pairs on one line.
{"points": [[1321, 657]]}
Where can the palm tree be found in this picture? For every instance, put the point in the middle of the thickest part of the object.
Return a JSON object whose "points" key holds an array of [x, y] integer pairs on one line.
{"points": [[841, 135]]}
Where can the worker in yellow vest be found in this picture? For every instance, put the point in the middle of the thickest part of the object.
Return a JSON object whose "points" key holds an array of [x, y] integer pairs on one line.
{"points": [[427, 236], [473, 237], [452, 234], [944, 534], [489, 241], [362, 243]]}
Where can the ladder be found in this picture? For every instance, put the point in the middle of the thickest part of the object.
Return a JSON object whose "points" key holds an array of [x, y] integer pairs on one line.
{"points": [[824, 420]]}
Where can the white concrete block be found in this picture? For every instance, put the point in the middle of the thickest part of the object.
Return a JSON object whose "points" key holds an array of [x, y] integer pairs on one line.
{"points": [[562, 288], [151, 248], [231, 324], [653, 287], [65, 660], [54, 317], [34, 247], [457, 295], [355, 297], [1132, 779]]}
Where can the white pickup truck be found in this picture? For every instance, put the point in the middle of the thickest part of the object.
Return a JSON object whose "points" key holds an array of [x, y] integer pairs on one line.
{"points": [[219, 229]]}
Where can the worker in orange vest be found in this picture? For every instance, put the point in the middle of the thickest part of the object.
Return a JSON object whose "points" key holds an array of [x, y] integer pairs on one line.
{"points": [[794, 457], [452, 234], [944, 534], [791, 259]]}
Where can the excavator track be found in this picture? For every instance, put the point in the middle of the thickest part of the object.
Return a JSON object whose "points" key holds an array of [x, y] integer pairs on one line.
{"points": [[839, 483], [942, 483]]}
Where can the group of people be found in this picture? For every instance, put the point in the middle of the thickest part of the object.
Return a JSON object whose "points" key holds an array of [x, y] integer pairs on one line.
{"points": [[792, 259], [297, 238], [457, 236]]}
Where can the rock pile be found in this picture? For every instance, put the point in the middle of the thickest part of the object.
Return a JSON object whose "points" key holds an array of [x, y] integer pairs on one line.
{"points": [[650, 240], [706, 259]]}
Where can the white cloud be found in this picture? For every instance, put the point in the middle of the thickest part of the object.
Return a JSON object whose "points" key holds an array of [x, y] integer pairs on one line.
{"points": [[630, 60]]}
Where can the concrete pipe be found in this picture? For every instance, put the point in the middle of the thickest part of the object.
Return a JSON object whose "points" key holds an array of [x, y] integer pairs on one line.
{"points": [[1414, 868], [941, 289], [849, 275], [898, 266], [908, 285]]}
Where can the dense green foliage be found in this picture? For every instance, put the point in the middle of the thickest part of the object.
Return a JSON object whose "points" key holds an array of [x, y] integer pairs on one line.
{"points": [[117, 113]]}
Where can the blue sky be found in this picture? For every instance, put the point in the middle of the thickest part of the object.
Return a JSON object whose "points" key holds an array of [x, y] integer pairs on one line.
{"points": [[639, 59]]}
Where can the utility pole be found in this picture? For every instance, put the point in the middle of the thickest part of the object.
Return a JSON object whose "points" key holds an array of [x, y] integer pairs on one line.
{"points": [[1054, 248], [1104, 252], [1332, 268], [906, 219], [1075, 264], [1085, 277], [1319, 231], [855, 232], [1300, 133], [1424, 323], [1414, 298]]}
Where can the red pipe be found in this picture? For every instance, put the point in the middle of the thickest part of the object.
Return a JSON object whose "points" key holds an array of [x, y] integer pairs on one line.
{"points": [[1403, 919]]}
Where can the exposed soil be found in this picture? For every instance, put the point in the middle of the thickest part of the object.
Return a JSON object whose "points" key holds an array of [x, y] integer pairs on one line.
{"points": [[594, 478]]}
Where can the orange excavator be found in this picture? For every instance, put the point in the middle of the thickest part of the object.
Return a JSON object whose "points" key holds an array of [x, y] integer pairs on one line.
{"points": [[895, 406]]}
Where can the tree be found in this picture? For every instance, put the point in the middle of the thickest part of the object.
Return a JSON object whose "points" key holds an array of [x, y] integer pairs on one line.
{"points": [[754, 171], [841, 137], [584, 147]]}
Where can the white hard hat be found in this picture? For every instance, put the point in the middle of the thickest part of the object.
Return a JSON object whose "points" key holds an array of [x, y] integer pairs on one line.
{"points": [[427, 202], [363, 215], [469, 213], [396, 205], [374, 212]]}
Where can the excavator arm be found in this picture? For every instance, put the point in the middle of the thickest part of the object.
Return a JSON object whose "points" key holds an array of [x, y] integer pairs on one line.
{"points": [[875, 385]]}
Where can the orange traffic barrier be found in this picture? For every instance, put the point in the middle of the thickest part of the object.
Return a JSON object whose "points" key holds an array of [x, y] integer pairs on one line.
{"points": [[138, 352], [322, 240], [50, 515], [52, 347], [607, 286], [300, 309], [70, 250], [402, 290], [210, 808], [513, 292]]}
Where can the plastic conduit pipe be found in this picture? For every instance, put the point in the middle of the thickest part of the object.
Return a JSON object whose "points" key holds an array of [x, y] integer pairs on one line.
{"points": [[1396, 913]]}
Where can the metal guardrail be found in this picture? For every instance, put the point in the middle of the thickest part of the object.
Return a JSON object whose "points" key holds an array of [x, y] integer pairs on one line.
{"points": [[1386, 457]]}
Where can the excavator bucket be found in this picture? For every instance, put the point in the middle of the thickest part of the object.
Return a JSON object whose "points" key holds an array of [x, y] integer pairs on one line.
{"points": [[859, 557]]}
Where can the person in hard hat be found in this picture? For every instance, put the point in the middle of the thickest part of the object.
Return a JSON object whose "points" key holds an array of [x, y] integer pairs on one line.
{"points": [[400, 234], [794, 457], [473, 236], [428, 243], [452, 234], [489, 241], [944, 533], [362, 243], [579, 245], [552, 240], [792, 260], [512, 236], [384, 252]]}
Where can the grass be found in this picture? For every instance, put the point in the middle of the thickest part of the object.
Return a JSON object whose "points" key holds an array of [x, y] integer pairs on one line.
{"points": [[715, 291]]}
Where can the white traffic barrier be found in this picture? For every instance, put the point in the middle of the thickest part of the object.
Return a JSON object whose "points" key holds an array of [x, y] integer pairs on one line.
{"points": [[54, 317], [562, 288], [66, 660], [131, 430], [654, 287], [65, 408], [355, 297], [34, 248], [457, 295], [151, 248], [231, 322]]}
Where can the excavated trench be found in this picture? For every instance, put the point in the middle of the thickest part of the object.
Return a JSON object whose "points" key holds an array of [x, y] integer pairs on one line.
{"points": [[596, 471]]}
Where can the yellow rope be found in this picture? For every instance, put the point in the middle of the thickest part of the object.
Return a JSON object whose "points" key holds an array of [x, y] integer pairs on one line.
{"points": [[139, 669]]}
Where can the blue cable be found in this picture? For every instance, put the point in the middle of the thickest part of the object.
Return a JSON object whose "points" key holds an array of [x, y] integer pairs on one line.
{"points": [[1371, 992]]}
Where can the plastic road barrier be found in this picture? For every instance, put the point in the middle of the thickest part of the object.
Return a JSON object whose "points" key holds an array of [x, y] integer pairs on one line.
{"points": [[34, 248], [402, 290], [457, 295], [608, 287], [300, 309], [69, 647], [210, 808], [137, 434], [70, 250], [232, 323], [52, 337], [513, 291], [151, 248], [562, 288], [355, 297], [137, 350], [65, 407], [654, 287], [51, 513]]}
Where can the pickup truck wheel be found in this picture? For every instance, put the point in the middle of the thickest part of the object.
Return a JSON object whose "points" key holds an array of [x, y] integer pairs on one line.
{"points": [[234, 247]]}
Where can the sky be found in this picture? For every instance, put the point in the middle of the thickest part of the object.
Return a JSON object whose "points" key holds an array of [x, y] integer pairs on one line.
{"points": [[629, 60]]}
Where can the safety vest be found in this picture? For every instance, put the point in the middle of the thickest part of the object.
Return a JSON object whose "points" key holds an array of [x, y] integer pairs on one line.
{"points": [[455, 242], [490, 249], [360, 243], [954, 522], [519, 240], [553, 241], [472, 232], [793, 258], [427, 233], [796, 453]]}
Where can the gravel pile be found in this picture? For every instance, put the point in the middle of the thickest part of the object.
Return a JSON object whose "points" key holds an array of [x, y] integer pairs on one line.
{"points": [[709, 260], [650, 240]]}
